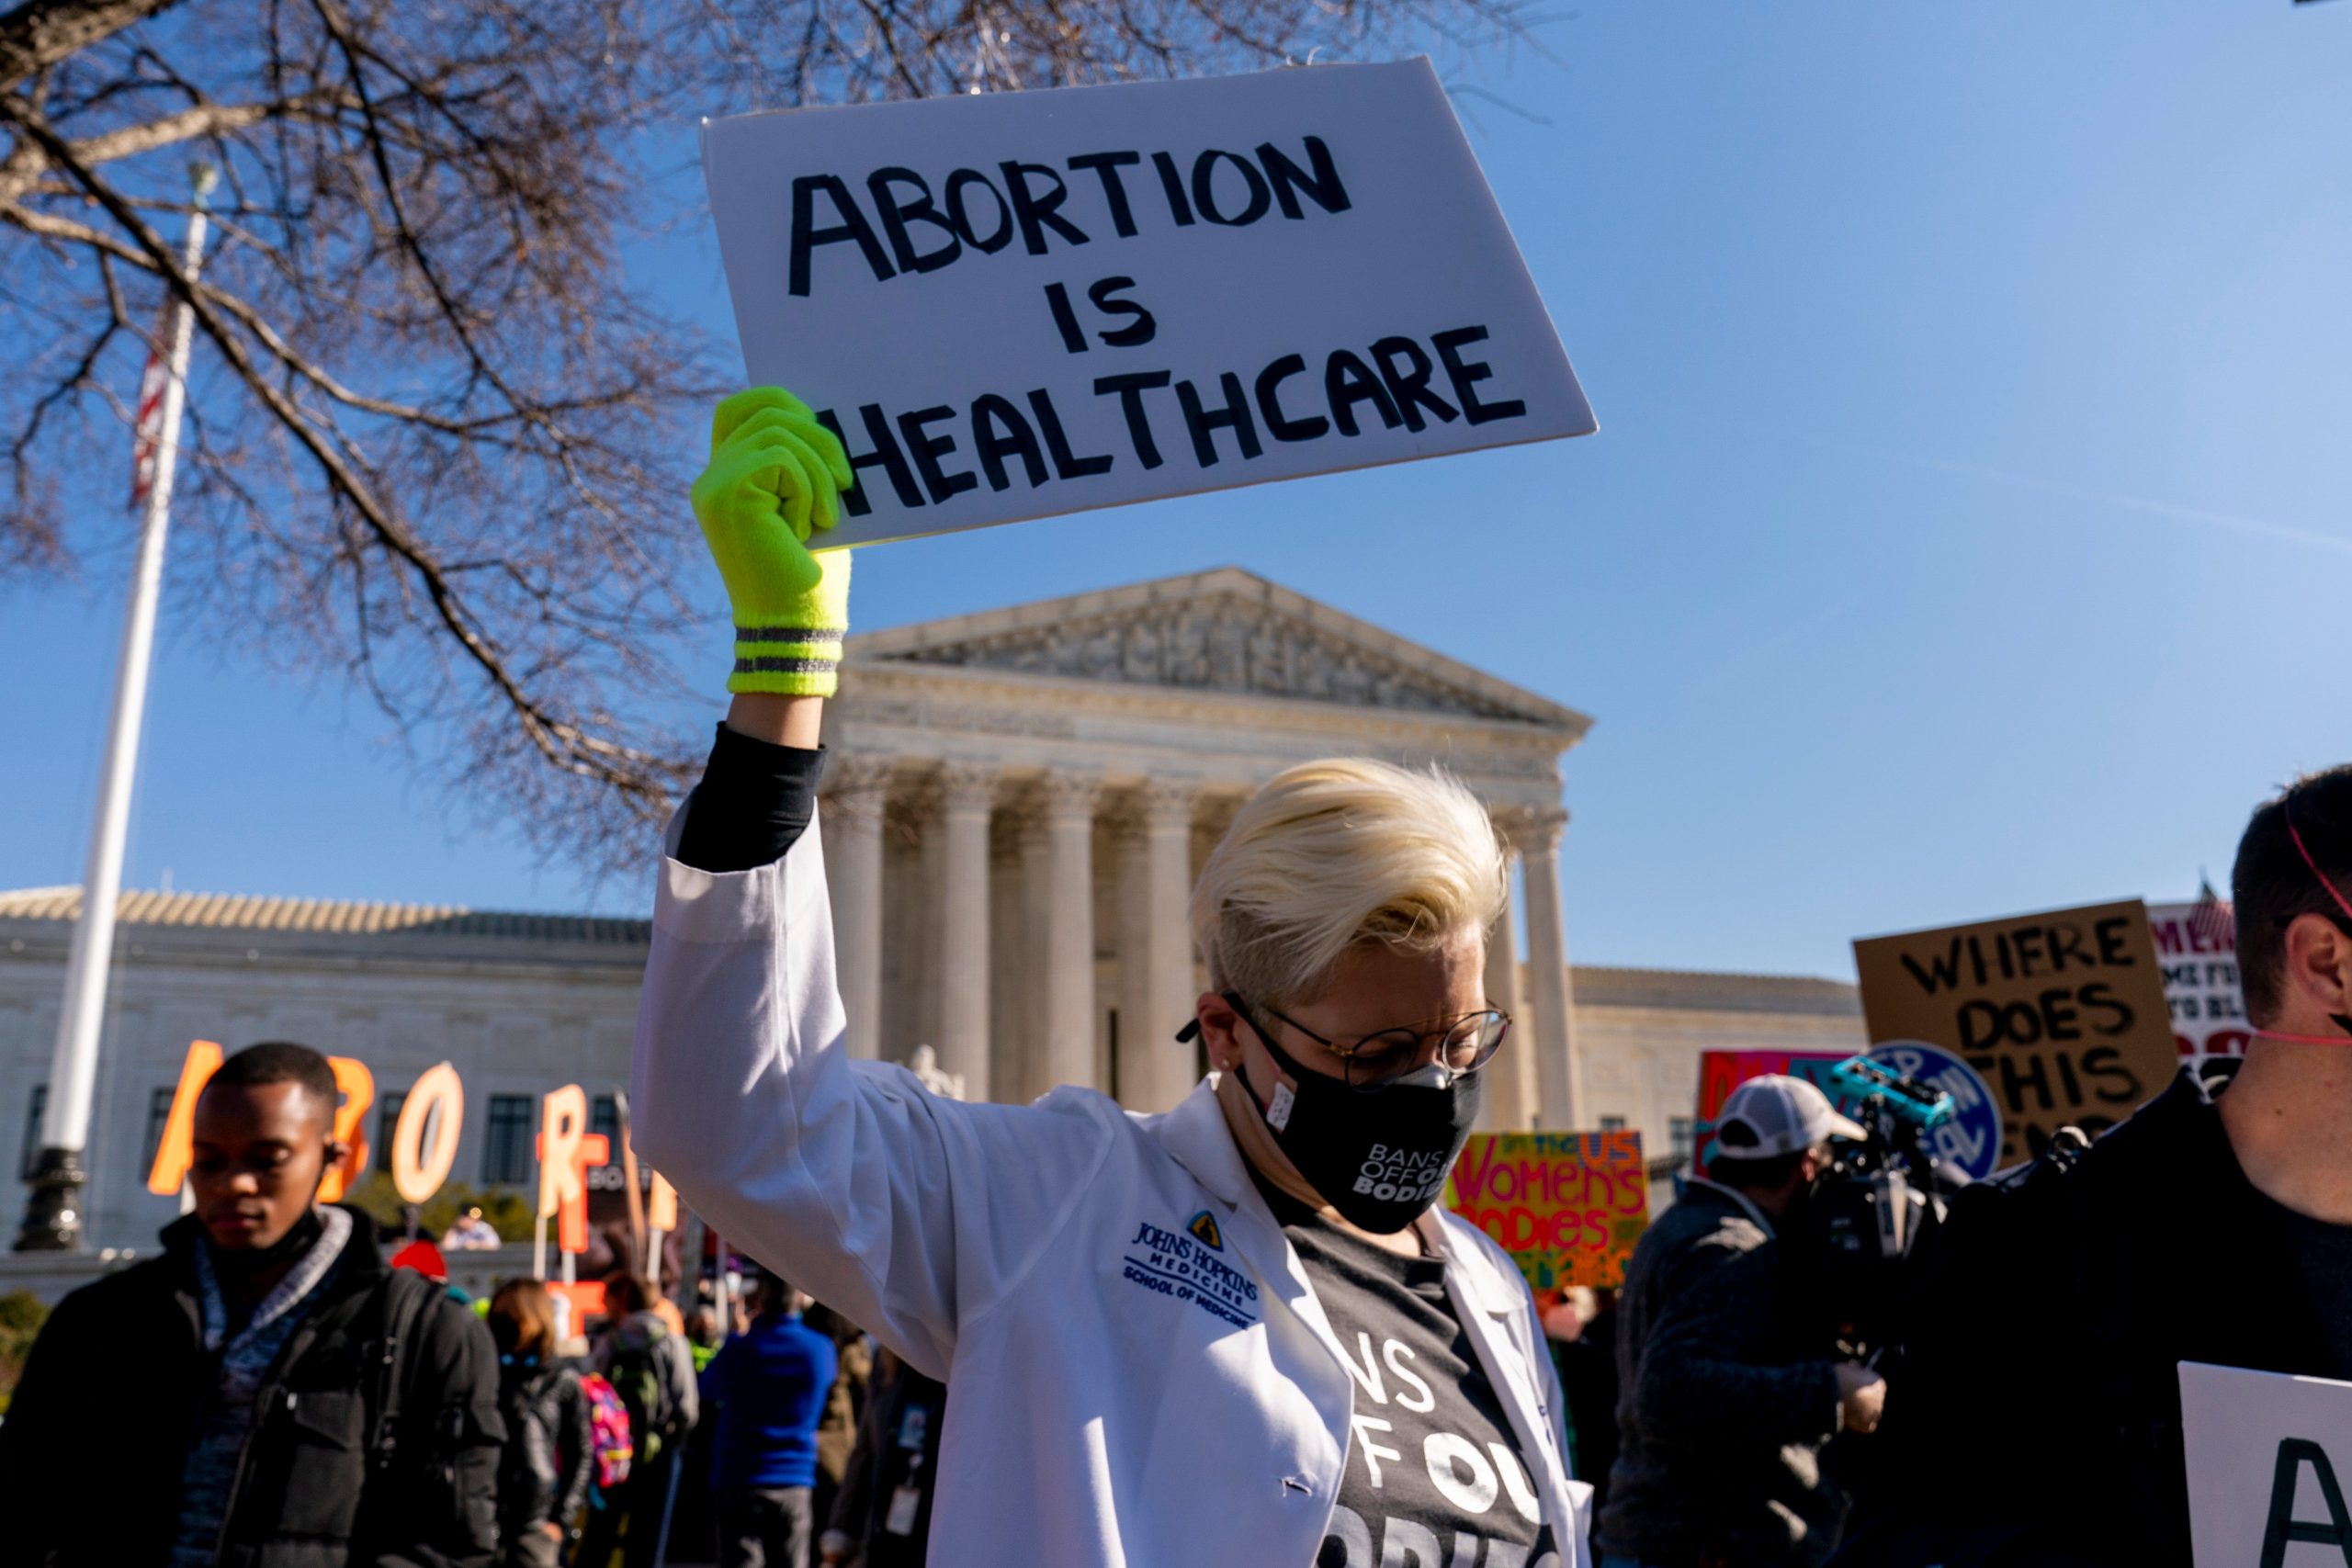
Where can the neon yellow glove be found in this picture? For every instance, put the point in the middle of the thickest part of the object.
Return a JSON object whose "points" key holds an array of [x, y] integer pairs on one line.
{"points": [[776, 476]]}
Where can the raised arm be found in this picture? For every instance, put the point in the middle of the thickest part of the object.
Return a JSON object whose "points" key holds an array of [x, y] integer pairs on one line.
{"points": [[908, 1213]]}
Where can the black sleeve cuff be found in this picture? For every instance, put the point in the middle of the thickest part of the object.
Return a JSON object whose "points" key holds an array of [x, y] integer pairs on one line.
{"points": [[754, 802]]}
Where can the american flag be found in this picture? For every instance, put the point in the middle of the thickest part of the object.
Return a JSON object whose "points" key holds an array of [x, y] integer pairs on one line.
{"points": [[150, 427], [2212, 922]]}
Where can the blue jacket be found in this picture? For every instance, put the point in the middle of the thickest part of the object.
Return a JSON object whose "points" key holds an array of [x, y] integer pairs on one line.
{"points": [[770, 1386]]}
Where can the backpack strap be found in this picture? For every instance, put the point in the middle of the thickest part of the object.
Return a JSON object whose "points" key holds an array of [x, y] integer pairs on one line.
{"points": [[407, 1295]]}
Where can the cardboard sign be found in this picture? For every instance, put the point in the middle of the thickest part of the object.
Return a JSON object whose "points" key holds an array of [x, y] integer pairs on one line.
{"points": [[2270, 1457], [2200, 985], [1015, 305], [1567, 1206], [2062, 1014]]}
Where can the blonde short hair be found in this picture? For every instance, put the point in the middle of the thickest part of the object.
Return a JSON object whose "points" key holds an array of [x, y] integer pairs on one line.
{"points": [[1334, 854]]}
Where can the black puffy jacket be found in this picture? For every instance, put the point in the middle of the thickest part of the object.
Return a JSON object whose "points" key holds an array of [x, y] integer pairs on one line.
{"points": [[2036, 1420], [550, 1454], [98, 1434]]}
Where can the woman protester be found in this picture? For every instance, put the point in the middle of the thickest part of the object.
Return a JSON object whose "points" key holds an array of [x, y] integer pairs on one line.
{"points": [[549, 1457], [1241, 1331]]}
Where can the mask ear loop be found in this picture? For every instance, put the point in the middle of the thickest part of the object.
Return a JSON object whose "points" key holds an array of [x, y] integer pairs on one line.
{"points": [[2341, 1020]]}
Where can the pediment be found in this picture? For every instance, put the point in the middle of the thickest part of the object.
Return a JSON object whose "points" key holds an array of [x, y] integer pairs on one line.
{"points": [[1225, 630]]}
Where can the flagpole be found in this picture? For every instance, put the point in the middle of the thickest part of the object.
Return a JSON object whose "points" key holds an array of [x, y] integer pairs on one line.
{"points": [[53, 1208]]}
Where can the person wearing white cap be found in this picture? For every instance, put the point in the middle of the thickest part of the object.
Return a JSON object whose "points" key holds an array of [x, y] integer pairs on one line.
{"points": [[1729, 1394]]}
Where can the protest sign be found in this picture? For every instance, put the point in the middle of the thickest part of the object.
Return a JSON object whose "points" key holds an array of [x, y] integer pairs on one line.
{"points": [[1014, 305], [2200, 984], [1972, 1138], [2268, 1457], [2062, 1013], [1720, 1072], [1567, 1206]]}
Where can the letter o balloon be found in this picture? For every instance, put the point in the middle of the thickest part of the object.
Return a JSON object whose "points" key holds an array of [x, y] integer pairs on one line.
{"points": [[418, 1171]]}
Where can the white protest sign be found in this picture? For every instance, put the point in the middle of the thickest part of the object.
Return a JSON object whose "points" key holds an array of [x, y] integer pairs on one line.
{"points": [[2200, 985], [2269, 1458], [1019, 304]]}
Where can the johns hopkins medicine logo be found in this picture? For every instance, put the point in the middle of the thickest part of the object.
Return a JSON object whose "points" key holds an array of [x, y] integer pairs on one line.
{"points": [[1404, 1176], [1187, 1265]]}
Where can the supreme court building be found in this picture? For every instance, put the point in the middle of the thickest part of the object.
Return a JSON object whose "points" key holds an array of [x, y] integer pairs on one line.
{"points": [[1014, 810], [1018, 802]]}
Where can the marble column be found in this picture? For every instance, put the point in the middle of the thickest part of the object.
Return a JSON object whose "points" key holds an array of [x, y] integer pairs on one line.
{"points": [[1155, 988], [962, 973], [852, 817], [1067, 1044], [1510, 1081], [1559, 1076]]}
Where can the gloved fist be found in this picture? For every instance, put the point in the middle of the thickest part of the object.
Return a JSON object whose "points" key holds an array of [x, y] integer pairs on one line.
{"points": [[776, 476]]}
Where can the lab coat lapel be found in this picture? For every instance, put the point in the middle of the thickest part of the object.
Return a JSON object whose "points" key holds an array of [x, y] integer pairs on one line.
{"points": [[1195, 1136]]}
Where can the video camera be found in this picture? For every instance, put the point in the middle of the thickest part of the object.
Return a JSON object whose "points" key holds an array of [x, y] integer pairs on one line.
{"points": [[1880, 1196]]}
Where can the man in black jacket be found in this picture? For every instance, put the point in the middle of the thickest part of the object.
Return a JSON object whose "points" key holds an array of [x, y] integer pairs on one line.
{"points": [[1728, 1388], [266, 1393], [2038, 1419]]}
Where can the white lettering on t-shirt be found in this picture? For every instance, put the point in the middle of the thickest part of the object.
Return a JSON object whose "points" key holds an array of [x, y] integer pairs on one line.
{"points": [[1397, 1355], [1522, 1493], [1368, 1375], [1448, 1456], [1407, 1543], [1372, 1452]]}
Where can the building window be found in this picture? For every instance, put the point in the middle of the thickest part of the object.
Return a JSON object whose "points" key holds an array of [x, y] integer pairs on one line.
{"points": [[159, 1116], [506, 1155], [388, 1120], [34, 1107], [604, 1118], [1680, 1144], [1612, 1123]]}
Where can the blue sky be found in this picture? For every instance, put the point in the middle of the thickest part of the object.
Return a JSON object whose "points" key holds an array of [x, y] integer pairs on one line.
{"points": [[1966, 532]]}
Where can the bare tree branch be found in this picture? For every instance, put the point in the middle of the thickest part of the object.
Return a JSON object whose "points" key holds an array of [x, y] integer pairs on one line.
{"points": [[41, 33], [438, 444]]}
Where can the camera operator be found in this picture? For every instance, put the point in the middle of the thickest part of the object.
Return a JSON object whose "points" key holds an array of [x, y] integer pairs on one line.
{"points": [[1727, 1399], [2040, 1408]]}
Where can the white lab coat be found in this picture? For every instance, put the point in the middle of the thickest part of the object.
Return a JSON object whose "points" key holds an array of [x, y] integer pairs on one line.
{"points": [[1125, 1394]]}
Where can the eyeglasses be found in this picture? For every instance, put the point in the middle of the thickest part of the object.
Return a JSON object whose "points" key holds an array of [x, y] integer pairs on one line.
{"points": [[1465, 1045]]}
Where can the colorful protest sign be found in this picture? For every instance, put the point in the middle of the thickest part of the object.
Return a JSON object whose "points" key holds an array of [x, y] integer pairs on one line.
{"points": [[1720, 1072], [2062, 1013], [2268, 1459], [1015, 305], [1567, 1206], [2200, 985]]}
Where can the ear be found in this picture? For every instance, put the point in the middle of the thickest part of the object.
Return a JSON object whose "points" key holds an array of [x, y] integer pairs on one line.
{"points": [[1221, 1030], [2319, 965]]}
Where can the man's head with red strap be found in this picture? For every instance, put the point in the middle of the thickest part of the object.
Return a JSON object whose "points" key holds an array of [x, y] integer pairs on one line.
{"points": [[2293, 889]]}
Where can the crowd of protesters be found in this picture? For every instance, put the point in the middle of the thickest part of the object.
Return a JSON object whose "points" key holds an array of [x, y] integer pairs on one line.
{"points": [[1225, 1334], [268, 1391]]}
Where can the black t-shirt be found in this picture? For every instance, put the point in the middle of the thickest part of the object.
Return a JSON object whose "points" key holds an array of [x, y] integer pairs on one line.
{"points": [[2321, 1257], [1433, 1476]]}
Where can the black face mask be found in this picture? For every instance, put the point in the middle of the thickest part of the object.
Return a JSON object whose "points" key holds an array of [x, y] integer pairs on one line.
{"points": [[1379, 1154]]}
